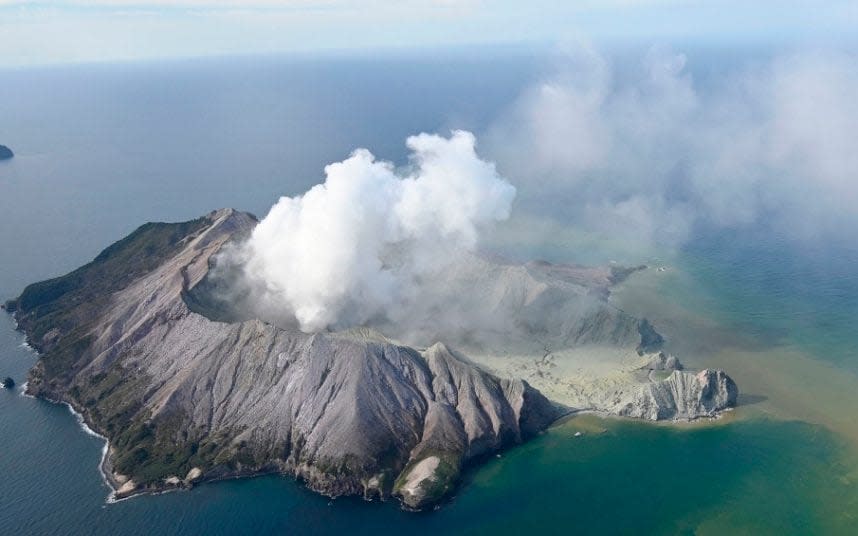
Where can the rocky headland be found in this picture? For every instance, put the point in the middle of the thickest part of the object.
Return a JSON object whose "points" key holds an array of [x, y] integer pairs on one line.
{"points": [[186, 389], [6, 153]]}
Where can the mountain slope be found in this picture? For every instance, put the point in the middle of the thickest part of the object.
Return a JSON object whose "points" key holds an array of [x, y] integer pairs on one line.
{"points": [[189, 384], [182, 397]]}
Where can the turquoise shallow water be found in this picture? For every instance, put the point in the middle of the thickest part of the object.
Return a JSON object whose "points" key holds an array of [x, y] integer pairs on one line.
{"points": [[91, 167], [760, 476]]}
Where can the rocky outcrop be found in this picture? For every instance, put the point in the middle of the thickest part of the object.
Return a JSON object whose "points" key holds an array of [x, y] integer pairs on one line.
{"points": [[683, 395], [663, 361], [651, 340], [5, 153], [470, 414], [177, 393]]}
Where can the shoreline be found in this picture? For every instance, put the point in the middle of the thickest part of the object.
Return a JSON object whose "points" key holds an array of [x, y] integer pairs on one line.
{"points": [[79, 417], [87, 429], [104, 462], [104, 465], [113, 486], [111, 497], [726, 415]]}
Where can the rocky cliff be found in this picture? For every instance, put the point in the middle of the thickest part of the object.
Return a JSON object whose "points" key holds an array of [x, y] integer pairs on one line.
{"points": [[682, 395]]}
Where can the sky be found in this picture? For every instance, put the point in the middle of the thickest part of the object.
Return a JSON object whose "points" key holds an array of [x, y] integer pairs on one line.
{"points": [[46, 32]]}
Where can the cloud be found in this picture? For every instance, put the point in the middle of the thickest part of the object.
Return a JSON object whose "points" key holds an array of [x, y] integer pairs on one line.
{"points": [[652, 156], [34, 32], [232, 5], [365, 242]]}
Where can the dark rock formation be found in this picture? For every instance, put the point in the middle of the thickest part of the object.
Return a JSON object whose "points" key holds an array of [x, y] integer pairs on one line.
{"points": [[651, 340], [5, 153], [8, 383], [663, 361]]}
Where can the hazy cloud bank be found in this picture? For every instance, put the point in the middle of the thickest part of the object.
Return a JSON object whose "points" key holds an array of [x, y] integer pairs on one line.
{"points": [[656, 155], [649, 156]]}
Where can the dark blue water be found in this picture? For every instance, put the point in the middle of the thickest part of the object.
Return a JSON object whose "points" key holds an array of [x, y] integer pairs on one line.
{"points": [[103, 149]]}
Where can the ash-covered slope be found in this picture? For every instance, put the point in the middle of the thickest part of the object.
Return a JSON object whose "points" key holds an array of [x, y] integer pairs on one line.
{"points": [[182, 397], [492, 305]]}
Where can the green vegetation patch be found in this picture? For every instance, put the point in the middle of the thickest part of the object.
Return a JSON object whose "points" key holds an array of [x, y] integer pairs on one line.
{"points": [[65, 308]]}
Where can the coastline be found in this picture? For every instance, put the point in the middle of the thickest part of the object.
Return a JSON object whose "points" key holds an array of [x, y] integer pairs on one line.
{"points": [[116, 494], [103, 464], [111, 497], [724, 416], [88, 430]]}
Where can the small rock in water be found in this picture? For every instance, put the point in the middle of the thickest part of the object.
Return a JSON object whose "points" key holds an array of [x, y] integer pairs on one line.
{"points": [[8, 383], [578, 434]]}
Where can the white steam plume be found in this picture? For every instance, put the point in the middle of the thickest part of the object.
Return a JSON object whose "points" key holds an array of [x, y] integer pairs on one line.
{"points": [[354, 247]]}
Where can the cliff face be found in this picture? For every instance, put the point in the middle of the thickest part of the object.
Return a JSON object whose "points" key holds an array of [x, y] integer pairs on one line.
{"points": [[682, 395], [182, 397]]}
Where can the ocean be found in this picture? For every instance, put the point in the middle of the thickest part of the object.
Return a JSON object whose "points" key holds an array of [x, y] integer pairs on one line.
{"points": [[102, 149]]}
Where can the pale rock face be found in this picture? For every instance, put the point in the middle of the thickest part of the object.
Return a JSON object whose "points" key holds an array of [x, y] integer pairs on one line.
{"points": [[126, 488], [683, 395], [194, 474], [422, 474]]}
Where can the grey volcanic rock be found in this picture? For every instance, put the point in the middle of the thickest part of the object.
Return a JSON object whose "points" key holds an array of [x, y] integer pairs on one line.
{"points": [[663, 361], [683, 395], [651, 340], [469, 414], [179, 394], [5, 153]]}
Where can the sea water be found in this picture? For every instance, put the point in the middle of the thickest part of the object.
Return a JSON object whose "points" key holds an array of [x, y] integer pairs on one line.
{"points": [[102, 149]]}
